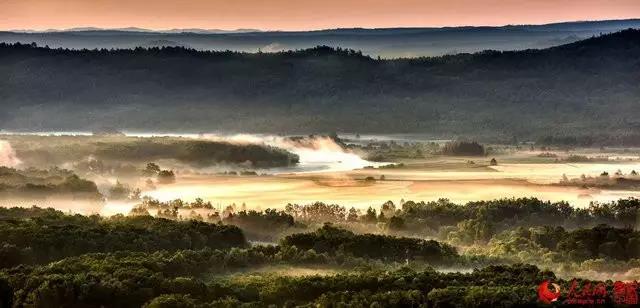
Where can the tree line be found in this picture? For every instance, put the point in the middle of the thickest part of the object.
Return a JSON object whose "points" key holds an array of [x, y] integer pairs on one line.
{"points": [[494, 94], [36, 236]]}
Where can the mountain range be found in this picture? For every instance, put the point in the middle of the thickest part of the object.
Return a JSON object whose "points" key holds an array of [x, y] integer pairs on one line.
{"points": [[385, 42], [586, 88]]}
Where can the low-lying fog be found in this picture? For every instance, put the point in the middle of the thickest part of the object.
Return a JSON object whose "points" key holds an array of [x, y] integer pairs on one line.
{"points": [[320, 154], [330, 174]]}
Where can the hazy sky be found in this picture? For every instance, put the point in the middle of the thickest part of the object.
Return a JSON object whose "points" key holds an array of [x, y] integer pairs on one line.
{"points": [[302, 14]]}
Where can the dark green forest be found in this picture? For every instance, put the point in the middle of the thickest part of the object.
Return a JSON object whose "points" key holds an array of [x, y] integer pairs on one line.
{"points": [[330, 240], [37, 184], [119, 152], [585, 88], [52, 259], [386, 42], [176, 280], [197, 253], [34, 236]]}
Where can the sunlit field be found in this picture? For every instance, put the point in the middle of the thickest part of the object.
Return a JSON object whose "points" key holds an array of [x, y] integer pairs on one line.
{"points": [[328, 173], [428, 180]]}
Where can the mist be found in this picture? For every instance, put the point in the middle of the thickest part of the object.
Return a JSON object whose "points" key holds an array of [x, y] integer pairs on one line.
{"points": [[8, 155], [477, 169], [317, 153]]}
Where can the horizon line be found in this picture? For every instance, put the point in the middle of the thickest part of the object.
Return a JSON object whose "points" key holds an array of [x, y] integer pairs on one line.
{"points": [[250, 30]]}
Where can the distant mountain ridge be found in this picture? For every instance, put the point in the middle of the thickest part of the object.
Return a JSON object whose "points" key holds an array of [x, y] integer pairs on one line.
{"points": [[590, 87], [385, 42], [568, 25], [136, 29]]}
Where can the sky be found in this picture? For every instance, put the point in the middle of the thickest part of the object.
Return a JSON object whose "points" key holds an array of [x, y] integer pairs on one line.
{"points": [[302, 14]]}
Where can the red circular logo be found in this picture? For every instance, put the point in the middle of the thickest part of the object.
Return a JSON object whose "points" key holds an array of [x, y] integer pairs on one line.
{"points": [[546, 295]]}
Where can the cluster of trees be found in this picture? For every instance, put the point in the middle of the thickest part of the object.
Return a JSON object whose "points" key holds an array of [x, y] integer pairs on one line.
{"points": [[330, 239], [35, 235], [141, 260], [601, 241], [268, 225], [130, 261], [479, 221], [405, 286], [602, 251], [501, 94], [320, 212], [92, 166], [462, 224], [197, 152], [575, 246], [498, 231], [121, 191], [151, 204], [463, 148], [120, 155], [618, 180], [35, 184], [162, 176], [488, 229], [33, 175], [199, 209], [473, 222], [384, 151], [123, 279], [574, 158], [129, 279], [595, 139]]}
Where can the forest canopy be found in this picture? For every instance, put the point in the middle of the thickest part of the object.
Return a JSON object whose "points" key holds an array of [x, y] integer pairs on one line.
{"points": [[141, 260], [99, 151], [569, 90]]}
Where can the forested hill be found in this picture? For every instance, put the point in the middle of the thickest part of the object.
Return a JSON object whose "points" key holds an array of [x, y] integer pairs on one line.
{"points": [[587, 87], [384, 42]]}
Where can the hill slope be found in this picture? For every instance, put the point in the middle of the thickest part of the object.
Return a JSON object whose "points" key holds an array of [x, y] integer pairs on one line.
{"points": [[587, 87], [384, 42]]}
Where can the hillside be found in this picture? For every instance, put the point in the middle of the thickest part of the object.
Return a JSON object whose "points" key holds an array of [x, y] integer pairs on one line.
{"points": [[383, 42], [587, 87]]}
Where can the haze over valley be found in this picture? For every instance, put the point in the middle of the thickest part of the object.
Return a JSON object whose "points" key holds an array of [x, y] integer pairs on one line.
{"points": [[463, 166], [383, 42], [561, 89]]}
